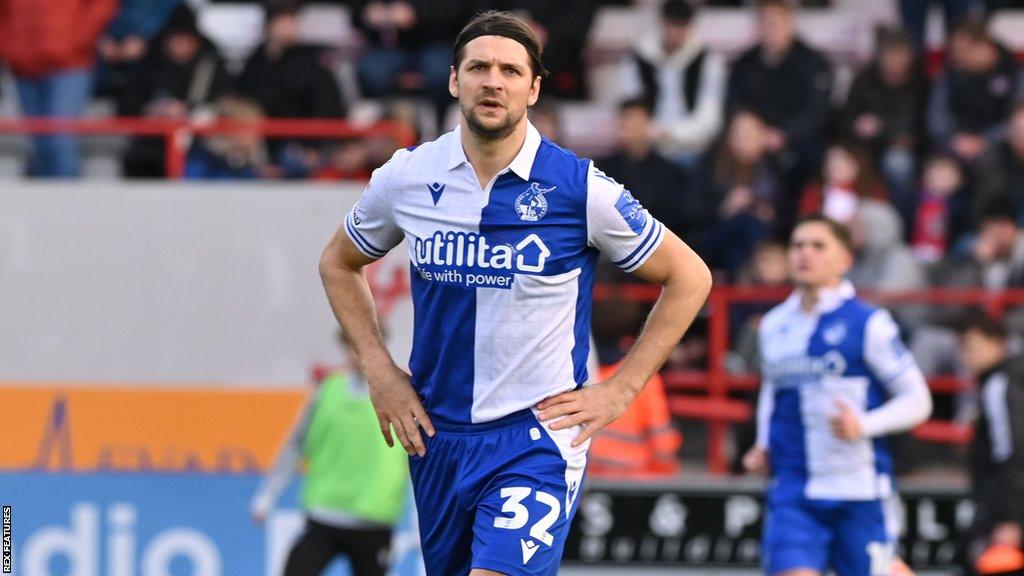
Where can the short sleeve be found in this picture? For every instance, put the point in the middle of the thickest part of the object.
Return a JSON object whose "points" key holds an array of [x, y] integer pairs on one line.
{"points": [[884, 350], [370, 224], [617, 224]]}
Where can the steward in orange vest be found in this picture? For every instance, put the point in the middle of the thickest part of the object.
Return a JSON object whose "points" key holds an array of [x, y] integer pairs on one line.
{"points": [[642, 442]]}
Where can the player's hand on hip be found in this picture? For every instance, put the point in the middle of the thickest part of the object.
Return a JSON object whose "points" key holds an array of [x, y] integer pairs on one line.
{"points": [[755, 461], [398, 407], [846, 423], [593, 406]]}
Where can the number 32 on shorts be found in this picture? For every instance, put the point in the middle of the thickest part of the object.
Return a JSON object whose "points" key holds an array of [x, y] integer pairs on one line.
{"points": [[513, 505]]}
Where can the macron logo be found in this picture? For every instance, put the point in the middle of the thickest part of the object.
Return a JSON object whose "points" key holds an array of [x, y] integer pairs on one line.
{"points": [[435, 191], [529, 549]]}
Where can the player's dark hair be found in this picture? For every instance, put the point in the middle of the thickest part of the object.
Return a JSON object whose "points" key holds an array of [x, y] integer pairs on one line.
{"points": [[839, 231], [507, 25], [677, 11], [983, 324]]}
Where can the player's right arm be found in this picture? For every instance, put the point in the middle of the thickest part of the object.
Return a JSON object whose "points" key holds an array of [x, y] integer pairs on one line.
{"points": [[394, 399], [367, 234]]}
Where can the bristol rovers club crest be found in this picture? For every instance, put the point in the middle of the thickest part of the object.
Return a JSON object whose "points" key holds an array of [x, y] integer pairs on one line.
{"points": [[531, 205]]}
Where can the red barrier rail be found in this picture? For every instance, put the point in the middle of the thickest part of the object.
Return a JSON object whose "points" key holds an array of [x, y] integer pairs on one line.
{"points": [[719, 410], [177, 134]]}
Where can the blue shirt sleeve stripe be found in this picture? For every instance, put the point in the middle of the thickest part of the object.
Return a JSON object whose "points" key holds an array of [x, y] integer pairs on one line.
{"points": [[643, 257], [360, 241], [639, 248], [363, 238]]}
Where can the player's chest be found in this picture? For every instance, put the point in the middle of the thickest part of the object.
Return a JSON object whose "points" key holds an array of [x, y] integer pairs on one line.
{"points": [[509, 211], [806, 348]]}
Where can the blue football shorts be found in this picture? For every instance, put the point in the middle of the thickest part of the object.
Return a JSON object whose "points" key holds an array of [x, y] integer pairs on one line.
{"points": [[849, 537], [497, 496]]}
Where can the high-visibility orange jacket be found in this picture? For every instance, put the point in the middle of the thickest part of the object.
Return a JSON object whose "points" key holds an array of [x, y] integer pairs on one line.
{"points": [[641, 442]]}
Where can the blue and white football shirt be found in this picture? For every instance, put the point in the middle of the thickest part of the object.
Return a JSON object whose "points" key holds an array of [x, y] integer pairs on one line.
{"points": [[501, 276], [843, 351]]}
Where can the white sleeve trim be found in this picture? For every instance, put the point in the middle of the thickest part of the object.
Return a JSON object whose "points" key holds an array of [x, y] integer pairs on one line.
{"points": [[376, 207], [608, 229], [653, 235], [359, 240]]}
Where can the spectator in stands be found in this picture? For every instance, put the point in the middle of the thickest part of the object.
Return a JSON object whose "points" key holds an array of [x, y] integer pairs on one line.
{"points": [[289, 80], [662, 186], [240, 154], [562, 26], [997, 449], [915, 15], [885, 112], [939, 217], [409, 46], [768, 267], [884, 262], [996, 263], [349, 160], [741, 181], [49, 46], [790, 86], [999, 249], [127, 40], [975, 94], [847, 178], [179, 78], [1001, 171], [641, 443], [684, 81]]}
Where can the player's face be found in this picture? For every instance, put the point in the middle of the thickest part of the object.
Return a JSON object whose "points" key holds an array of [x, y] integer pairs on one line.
{"points": [[816, 257], [494, 85]]}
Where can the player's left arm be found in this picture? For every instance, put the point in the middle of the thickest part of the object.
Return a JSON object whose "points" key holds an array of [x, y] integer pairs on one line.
{"points": [[640, 244], [686, 282], [910, 402]]}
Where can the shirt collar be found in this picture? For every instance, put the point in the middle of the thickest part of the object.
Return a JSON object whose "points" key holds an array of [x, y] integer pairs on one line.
{"points": [[829, 299], [521, 165]]}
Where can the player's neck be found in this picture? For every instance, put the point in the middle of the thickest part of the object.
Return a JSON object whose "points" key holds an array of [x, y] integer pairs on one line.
{"points": [[488, 157], [810, 294]]}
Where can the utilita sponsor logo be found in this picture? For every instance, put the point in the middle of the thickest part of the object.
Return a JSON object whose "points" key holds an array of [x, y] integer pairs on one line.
{"points": [[469, 259]]}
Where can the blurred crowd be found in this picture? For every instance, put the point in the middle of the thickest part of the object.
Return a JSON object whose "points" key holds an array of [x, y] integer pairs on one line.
{"points": [[922, 156]]}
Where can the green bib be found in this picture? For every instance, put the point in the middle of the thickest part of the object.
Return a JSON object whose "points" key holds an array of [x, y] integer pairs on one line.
{"points": [[350, 468]]}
